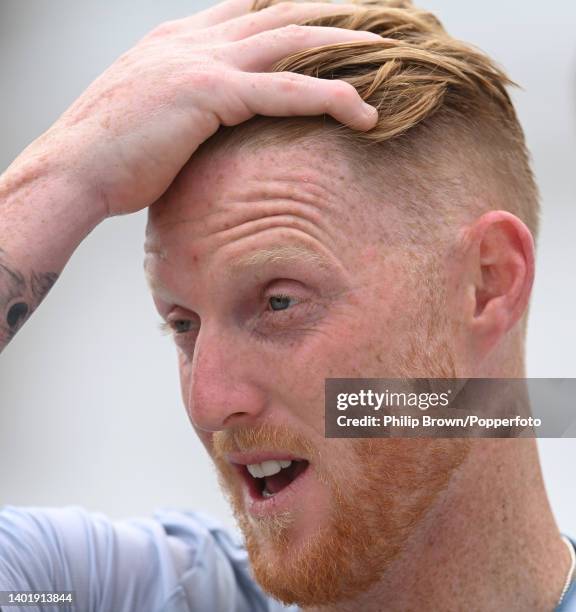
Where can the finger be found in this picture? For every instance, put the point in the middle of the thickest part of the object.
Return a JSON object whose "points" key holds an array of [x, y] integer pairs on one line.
{"points": [[260, 52], [285, 94], [223, 11], [277, 16]]}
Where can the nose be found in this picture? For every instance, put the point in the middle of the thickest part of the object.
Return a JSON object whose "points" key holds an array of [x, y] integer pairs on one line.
{"points": [[218, 386]]}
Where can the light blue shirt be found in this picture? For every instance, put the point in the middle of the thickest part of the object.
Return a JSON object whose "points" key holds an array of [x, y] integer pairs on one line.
{"points": [[569, 603], [173, 562]]}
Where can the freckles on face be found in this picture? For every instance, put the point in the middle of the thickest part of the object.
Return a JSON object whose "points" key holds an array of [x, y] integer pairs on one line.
{"points": [[275, 257], [279, 224], [272, 276]]}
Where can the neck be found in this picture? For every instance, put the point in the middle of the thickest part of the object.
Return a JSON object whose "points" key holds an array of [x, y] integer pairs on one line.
{"points": [[490, 542]]}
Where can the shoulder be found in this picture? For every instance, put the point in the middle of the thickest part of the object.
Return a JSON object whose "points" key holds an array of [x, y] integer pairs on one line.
{"points": [[217, 568], [175, 561], [569, 601], [110, 565]]}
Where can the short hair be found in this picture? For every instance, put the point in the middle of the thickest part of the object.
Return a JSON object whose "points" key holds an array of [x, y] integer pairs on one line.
{"points": [[447, 139]]}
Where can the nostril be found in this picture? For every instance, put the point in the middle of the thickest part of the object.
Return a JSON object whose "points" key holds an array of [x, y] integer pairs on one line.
{"points": [[233, 418], [221, 392]]}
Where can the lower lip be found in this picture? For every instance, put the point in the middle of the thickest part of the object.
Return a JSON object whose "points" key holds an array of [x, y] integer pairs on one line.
{"points": [[284, 500]]}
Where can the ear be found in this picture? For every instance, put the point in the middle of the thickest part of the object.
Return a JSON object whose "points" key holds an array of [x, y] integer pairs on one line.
{"points": [[500, 256]]}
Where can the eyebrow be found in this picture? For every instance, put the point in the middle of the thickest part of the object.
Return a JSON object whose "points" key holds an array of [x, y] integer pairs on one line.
{"points": [[260, 258], [282, 254]]}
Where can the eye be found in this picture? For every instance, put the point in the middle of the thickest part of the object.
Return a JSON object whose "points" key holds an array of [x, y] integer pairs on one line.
{"points": [[176, 326], [181, 326], [280, 302]]}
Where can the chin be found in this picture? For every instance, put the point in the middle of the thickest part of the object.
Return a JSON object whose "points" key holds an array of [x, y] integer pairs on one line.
{"points": [[318, 535], [297, 553], [309, 557]]}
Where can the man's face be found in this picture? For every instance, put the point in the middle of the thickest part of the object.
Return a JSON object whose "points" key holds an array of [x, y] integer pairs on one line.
{"points": [[274, 275]]}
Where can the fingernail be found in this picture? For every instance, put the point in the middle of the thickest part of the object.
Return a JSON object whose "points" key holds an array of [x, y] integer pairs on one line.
{"points": [[371, 35]]}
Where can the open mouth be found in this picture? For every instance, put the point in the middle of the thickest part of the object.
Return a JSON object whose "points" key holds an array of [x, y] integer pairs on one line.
{"points": [[268, 478]]}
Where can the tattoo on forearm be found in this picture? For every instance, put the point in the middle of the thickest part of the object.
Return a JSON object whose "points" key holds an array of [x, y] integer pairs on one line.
{"points": [[20, 294]]}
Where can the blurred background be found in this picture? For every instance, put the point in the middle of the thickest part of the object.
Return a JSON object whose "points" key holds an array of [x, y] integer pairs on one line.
{"points": [[90, 412]]}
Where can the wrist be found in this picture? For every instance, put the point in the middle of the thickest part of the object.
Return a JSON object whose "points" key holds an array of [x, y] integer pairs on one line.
{"points": [[44, 186], [46, 209]]}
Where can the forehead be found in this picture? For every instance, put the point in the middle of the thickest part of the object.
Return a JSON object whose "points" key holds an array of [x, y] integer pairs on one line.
{"points": [[215, 188], [300, 208]]}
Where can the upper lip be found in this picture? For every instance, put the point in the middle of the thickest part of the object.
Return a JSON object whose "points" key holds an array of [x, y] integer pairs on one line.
{"points": [[249, 458]]}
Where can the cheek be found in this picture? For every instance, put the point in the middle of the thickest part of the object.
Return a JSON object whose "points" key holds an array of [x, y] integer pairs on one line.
{"points": [[361, 343], [349, 347]]}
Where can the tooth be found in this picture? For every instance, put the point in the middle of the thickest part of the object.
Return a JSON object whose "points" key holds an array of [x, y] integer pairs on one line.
{"points": [[269, 468], [255, 470], [266, 493]]}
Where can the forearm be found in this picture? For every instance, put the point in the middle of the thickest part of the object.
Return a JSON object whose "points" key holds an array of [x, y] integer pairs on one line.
{"points": [[131, 132], [44, 215]]}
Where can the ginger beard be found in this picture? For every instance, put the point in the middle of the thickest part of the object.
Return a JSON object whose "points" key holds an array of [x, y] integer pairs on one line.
{"points": [[374, 506], [371, 517]]}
